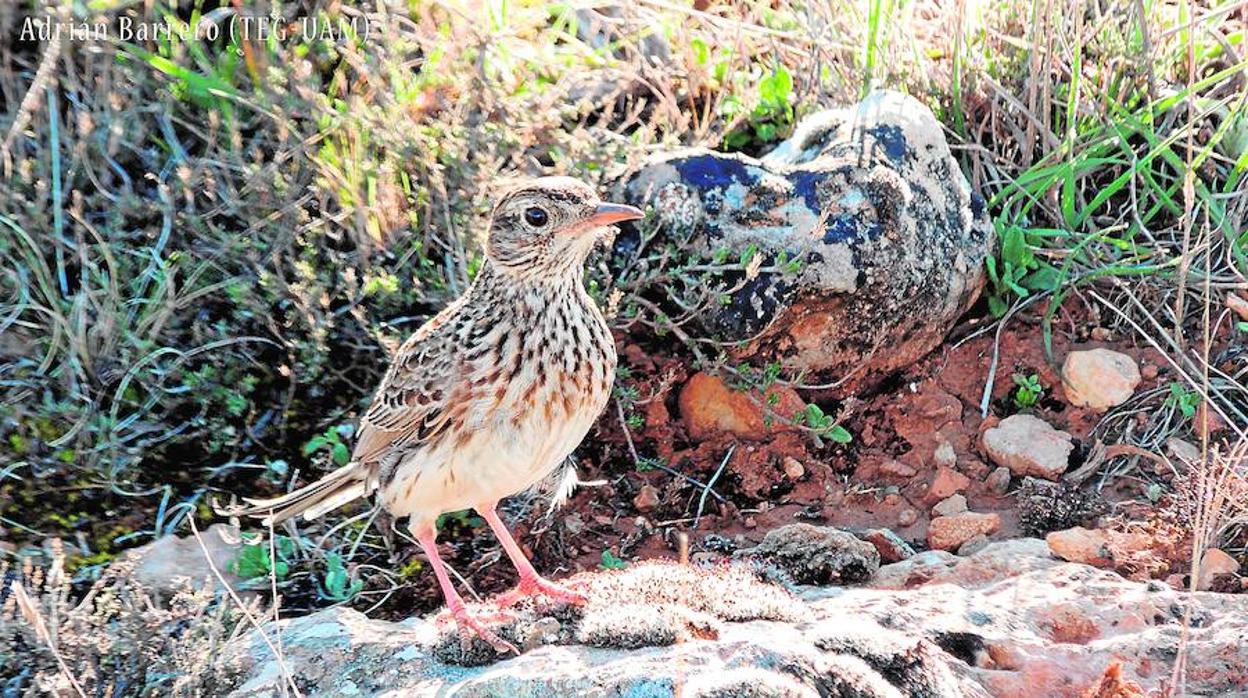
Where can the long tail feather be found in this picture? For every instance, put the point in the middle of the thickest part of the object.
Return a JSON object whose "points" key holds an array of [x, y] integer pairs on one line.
{"points": [[346, 484]]}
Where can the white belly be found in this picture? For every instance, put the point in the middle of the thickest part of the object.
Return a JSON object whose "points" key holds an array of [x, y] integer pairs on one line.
{"points": [[499, 460]]}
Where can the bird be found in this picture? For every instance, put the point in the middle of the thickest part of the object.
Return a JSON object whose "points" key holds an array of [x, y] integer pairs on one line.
{"points": [[491, 395]]}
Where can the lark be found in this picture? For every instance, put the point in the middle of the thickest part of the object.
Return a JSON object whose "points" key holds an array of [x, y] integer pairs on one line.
{"points": [[491, 395]]}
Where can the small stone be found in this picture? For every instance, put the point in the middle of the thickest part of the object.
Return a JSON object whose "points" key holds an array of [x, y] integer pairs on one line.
{"points": [[950, 506], [896, 469], [946, 483], [973, 545], [749, 522], [647, 498], [1082, 545], [998, 481], [1028, 445], [1182, 450], [1101, 334], [944, 456], [890, 545], [1099, 378], [1149, 372], [907, 518], [793, 468], [709, 407], [950, 532], [1214, 563], [1237, 304]]}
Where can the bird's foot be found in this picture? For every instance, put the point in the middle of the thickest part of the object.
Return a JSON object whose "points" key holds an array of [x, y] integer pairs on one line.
{"points": [[470, 625], [535, 586]]}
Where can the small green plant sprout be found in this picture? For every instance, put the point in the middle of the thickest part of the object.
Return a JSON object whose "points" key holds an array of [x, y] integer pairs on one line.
{"points": [[1186, 401], [1028, 392], [334, 440], [822, 425], [771, 116], [647, 463], [611, 562], [337, 585], [254, 561], [1017, 272]]}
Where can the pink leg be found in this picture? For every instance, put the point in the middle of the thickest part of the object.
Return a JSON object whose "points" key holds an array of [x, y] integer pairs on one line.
{"points": [[531, 582], [454, 603]]}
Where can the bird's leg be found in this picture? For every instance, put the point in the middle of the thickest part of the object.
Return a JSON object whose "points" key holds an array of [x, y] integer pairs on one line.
{"points": [[465, 621], [531, 583]]}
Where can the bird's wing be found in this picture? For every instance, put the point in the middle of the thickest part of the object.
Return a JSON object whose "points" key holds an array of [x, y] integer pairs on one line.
{"points": [[425, 385]]}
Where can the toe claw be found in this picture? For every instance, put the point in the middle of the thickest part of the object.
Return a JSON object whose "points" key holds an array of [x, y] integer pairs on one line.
{"points": [[470, 625]]}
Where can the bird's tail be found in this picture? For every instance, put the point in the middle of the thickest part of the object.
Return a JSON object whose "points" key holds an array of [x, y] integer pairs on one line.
{"points": [[346, 484]]}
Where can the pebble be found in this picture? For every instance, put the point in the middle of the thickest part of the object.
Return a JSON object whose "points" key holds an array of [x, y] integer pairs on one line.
{"points": [[1213, 563], [1028, 445], [950, 532], [998, 481], [897, 469], [907, 518], [1099, 378], [793, 468], [950, 506], [973, 545], [946, 483], [647, 498]]}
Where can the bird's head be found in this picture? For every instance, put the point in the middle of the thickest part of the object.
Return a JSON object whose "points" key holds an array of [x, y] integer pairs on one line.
{"points": [[548, 226]]}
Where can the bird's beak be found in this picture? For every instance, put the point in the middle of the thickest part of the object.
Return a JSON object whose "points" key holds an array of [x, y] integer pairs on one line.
{"points": [[606, 214]]}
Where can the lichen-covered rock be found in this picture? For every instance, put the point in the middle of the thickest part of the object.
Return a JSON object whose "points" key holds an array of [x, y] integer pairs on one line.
{"points": [[654, 629], [811, 554], [1009, 620], [848, 250]]}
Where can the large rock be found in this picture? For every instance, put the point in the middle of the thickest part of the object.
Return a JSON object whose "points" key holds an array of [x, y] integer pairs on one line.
{"points": [[1099, 378], [869, 242], [1006, 621], [1028, 445], [654, 629]]}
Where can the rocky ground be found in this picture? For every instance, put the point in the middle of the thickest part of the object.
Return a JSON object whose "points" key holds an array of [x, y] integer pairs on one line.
{"points": [[1009, 620], [1033, 541]]}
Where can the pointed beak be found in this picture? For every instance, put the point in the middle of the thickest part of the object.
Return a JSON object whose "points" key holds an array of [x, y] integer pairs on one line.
{"points": [[606, 214]]}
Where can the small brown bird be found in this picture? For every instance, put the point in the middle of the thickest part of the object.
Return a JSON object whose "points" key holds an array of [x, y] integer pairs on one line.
{"points": [[492, 394]]}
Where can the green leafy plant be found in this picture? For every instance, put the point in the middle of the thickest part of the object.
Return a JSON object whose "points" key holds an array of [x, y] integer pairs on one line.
{"points": [[1028, 392], [611, 562], [335, 441], [771, 115], [337, 584], [1018, 272], [823, 425], [255, 562], [1185, 400]]}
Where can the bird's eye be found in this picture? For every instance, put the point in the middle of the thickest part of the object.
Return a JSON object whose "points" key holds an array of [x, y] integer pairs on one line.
{"points": [[535, 216]]}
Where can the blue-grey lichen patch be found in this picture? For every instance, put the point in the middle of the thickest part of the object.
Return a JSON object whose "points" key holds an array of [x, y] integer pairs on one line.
{"points": [[856, 243]]}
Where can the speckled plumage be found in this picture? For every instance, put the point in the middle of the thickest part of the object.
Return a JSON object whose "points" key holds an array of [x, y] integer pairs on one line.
{"points": [[492, 394]]}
